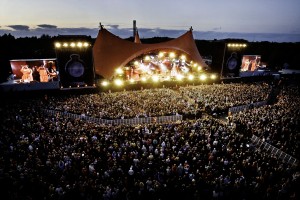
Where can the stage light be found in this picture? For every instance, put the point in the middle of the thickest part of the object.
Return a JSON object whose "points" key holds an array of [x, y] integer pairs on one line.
{"points": [[161, 54], [85, 44], [203, 77], [136, 63], [147, 58], [118, 82], [199, 68], [105, 83], [233, 45], [179, 77], [65, 44], [191, 77], [119, 71], [155, 78], [79, 44], [194, 65], [172, 55], [72, 44], [144, 79], [57, 45], [213, 76], [131, 80], [183, 57]]}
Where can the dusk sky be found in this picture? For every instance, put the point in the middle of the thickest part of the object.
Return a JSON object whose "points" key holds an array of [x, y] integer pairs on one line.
{"points": [[253, 20]]}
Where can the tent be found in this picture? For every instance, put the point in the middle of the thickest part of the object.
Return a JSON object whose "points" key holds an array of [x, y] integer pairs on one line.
{"points": [[111, 52]]}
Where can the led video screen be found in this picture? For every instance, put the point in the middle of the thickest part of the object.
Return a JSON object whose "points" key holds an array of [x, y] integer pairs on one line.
{"points": [[250, 62], [34, 70]]}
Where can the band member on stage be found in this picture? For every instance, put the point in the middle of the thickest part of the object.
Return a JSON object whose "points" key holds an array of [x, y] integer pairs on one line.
{"points": [[27, 74], [52, 72], [44, 73]]}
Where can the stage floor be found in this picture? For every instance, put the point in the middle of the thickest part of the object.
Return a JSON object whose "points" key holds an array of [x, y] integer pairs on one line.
{"points": [[17, 85]]}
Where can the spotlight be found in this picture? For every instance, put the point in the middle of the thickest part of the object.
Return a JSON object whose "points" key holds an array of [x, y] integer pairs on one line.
{"points": [[57, 45], [72, 44], [203, 77], [104, 83], [118, 82], [144, 79], [155, 78], [79, 44], [179, 77], [191, 77], [119, 71]]}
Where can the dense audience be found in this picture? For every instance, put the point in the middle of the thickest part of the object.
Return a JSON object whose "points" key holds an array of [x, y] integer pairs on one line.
{"points": [[161, 102], [54, 157], [277, 124], [219, 97], [125, 104]]}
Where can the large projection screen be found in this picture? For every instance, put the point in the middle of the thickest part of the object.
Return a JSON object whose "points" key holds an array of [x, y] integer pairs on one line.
{"points": [[250, 62], [34, 70]]}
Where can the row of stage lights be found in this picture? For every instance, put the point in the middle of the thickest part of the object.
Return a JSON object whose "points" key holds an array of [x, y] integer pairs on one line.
{"points": [[72, 44], [155, 79], [237, 45]]}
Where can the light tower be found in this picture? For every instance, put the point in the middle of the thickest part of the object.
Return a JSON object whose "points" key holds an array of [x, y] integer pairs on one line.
{"points": [[134, 28]]}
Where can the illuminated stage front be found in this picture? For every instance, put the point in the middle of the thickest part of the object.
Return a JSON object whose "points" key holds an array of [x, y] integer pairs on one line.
{"points": [[115, 57]]}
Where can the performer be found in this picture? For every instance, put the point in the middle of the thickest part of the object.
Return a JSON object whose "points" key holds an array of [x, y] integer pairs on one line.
{"points": [[44, 73], [27, 74], [52, 72]]}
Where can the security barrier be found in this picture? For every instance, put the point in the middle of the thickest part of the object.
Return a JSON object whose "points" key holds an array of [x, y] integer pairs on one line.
{"points": [[273, 150], [131, 121]]}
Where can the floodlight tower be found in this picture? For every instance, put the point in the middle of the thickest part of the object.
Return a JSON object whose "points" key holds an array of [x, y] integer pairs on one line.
{"points": [[134, 28]]}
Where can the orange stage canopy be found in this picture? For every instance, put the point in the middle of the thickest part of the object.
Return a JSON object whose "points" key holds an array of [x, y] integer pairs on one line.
{"points": [[111, 52]]}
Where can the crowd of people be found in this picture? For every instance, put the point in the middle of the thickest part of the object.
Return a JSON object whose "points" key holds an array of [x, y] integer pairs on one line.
{"points": [[277, 124], [162, 101], [56, 157], [219, 97]]}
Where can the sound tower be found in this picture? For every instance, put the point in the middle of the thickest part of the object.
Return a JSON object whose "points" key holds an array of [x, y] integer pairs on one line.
{"points": [[75, 60]]}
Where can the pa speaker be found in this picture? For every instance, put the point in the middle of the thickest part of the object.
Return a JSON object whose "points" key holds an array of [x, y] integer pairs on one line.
{"points": [[75, 61]]}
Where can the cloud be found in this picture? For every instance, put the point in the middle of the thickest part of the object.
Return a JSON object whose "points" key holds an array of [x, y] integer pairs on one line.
{"points": [[217, 28], [52, 30], [19, 27], [47, 26], [112, 26]]}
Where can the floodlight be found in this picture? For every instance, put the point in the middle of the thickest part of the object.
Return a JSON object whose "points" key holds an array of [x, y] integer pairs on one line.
{"points": [[57, 45], [191, 77], [213, 76], [105, 83], [155, 78], [118, 82], [119, 71], [203, 77]]}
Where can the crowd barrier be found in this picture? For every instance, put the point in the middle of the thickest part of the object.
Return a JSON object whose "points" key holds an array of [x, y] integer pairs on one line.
{"points": [[273, 150], [131, 121], [246, 107]]}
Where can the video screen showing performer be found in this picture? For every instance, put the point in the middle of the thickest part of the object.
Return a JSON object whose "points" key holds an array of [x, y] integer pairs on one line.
{"points": [[34, 70], [250, 62]]}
